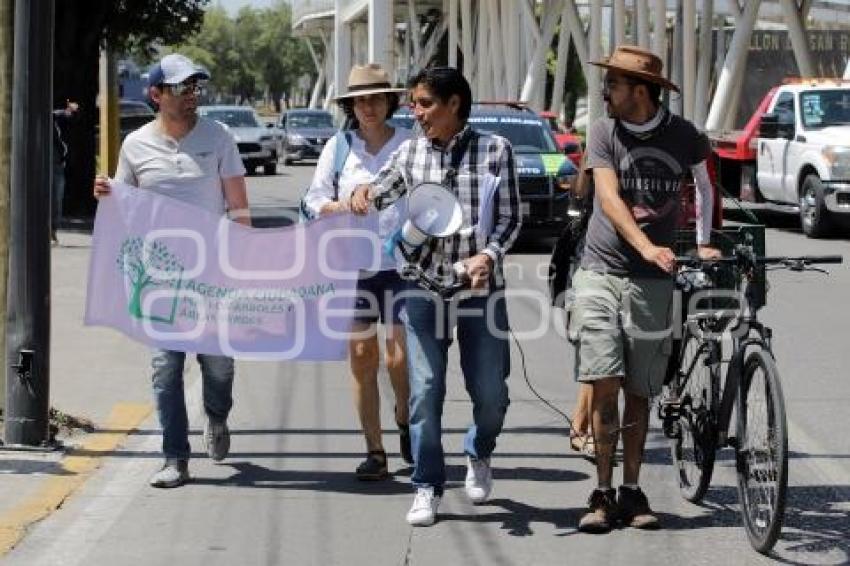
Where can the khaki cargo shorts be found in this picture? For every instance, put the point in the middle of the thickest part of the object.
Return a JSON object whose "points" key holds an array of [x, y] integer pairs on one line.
{"points": [[620, 328]]}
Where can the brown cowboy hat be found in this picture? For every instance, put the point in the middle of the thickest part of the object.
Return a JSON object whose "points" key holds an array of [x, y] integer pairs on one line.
{"points": [[637, 62], [368, 79]]}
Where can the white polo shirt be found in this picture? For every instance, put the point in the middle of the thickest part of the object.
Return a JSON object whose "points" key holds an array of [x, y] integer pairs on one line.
{"points": [[190, 169]]}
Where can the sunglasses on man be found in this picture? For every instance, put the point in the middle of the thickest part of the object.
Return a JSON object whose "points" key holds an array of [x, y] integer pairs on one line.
{"points": [[193, 87]]}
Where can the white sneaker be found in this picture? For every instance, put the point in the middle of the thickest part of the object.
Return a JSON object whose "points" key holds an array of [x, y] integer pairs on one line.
{"points": [[423, 512], [479, 479]]}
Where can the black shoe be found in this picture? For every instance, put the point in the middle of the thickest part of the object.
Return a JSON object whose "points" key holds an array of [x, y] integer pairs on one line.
{"points": [[601, 512], [374, 467], [634, 509], [404, 440]]}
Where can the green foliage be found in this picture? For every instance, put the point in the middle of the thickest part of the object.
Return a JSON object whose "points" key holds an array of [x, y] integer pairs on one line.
{"points": [[137, 26], [251, 54]]}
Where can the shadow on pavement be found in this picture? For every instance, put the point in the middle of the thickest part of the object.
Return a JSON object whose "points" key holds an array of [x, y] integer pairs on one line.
{"points": [[516, 519]]}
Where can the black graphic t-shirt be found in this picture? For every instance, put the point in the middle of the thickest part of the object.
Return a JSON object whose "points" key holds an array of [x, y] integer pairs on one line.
{"points": [[652, 169]]}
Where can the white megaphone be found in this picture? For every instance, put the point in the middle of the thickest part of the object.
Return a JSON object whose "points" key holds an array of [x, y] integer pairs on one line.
{"points": [[433, 212]]}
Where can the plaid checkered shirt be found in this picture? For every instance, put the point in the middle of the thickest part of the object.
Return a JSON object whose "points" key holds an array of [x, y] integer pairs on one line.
{"points": [[420, 160]]}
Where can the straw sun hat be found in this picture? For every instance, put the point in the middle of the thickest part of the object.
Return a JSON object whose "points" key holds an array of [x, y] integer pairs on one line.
{"points": [[368, 79]]}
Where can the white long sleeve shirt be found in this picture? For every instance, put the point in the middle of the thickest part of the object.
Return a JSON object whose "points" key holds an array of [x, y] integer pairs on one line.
{"points": [[360, 168]]}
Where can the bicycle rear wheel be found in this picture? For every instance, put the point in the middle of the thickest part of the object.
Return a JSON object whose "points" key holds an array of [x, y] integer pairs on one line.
{"points": [[762, 451], [694, 450]]}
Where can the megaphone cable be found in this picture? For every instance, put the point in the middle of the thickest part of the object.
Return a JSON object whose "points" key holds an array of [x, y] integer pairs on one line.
{"points": [[531, 388]]}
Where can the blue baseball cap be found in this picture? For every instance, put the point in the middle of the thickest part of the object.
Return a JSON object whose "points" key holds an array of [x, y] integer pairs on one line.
{"points": [[174, 69]]}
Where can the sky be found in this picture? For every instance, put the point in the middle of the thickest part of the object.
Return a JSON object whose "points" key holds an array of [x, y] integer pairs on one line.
{"points": [[232, 6]]}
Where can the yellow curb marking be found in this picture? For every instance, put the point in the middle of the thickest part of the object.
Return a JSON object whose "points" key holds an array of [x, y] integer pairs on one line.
{"points": [[124, 418]]}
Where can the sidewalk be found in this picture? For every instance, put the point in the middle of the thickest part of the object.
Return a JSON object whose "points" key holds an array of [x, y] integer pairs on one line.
{"points": [[95, 373]]}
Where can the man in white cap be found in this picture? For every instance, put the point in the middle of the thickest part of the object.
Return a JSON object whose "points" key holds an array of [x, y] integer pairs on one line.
{"points": [[195, 160]]}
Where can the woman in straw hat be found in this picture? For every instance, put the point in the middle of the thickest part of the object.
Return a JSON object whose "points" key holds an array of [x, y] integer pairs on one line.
{"points": [[369, 101]]}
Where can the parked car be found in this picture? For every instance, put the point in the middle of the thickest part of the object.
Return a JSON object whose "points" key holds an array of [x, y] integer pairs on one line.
{"points": [[305, 132], [132, 115], [568, 142], [544, 173], [256, 142]]}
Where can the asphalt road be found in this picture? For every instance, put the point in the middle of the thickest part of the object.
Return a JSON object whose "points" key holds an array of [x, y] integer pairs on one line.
{"points": [[286, 494]]}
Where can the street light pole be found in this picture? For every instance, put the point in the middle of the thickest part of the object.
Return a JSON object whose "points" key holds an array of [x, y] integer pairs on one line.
{"points": [[28, 308]]}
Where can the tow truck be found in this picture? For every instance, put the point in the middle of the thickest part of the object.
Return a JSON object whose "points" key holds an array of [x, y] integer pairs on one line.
{"points": [[793, 155]]}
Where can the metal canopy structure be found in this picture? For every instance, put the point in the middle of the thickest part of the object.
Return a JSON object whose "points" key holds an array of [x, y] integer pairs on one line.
{"points": [[502, 45]]}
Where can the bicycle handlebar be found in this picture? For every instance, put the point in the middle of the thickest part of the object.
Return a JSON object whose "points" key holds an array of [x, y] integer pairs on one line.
{"points": [[741, 257]]}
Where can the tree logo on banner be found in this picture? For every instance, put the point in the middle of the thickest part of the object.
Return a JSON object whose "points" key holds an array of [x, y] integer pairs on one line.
{"points": [[149, 265]]}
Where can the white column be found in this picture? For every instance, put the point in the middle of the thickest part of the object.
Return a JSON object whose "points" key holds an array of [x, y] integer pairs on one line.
{"points": [[642, 15], [577, 32], [594, 48], [381, 26], [532, 87], [320, 79], [561, 64], [497, 60], [466, 27], [704, 67], [733, 66], [413, 30], [453, 33], [733, 102], [510, 41], [659, 31], [797, 31], [342, 49], [530, 33], [619, 15], [676, 63], [483, 76], [689, 60]]}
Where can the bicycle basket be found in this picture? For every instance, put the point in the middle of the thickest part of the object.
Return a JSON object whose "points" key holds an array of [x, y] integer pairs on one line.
{"points": [[725, 239]]}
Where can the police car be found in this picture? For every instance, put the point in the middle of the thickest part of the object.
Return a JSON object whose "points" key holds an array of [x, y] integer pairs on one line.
{"points": [[544, 173]]}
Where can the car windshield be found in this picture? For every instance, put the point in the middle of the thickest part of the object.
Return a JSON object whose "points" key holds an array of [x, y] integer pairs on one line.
{"points": [[234, 118], [310, 121], [527, 135], [822, 108]]}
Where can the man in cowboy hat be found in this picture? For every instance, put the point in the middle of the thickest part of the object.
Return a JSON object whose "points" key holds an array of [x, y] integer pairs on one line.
{"points": [[641, 155]]}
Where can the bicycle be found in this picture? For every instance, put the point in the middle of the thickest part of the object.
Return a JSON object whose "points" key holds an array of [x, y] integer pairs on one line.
{"points": [[700, 398]]}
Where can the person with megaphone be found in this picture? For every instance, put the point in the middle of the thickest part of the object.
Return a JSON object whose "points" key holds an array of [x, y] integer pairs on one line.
{"points": [[479, 170], [348, 159]]}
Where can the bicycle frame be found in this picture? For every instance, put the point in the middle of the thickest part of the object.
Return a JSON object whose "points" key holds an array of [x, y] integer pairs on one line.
{"points": [[750, 333]]}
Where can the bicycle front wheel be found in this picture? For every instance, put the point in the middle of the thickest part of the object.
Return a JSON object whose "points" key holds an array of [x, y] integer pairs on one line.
{"points": [[694, 449], [762, 450]]}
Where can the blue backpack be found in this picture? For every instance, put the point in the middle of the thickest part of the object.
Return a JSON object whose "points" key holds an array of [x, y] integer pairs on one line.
{"points": [[343, 147]]}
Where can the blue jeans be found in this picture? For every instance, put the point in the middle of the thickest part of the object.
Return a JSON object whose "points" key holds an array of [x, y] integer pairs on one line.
{"points": [[485, 362], [217, 379]]}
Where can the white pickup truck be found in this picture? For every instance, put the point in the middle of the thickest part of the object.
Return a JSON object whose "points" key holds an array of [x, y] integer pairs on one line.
{"points": [[800, 141]]}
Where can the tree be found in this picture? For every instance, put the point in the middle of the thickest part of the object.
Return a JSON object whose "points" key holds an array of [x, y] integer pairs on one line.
{"points": [[251, 55], [81, 30], [147, 264]]}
